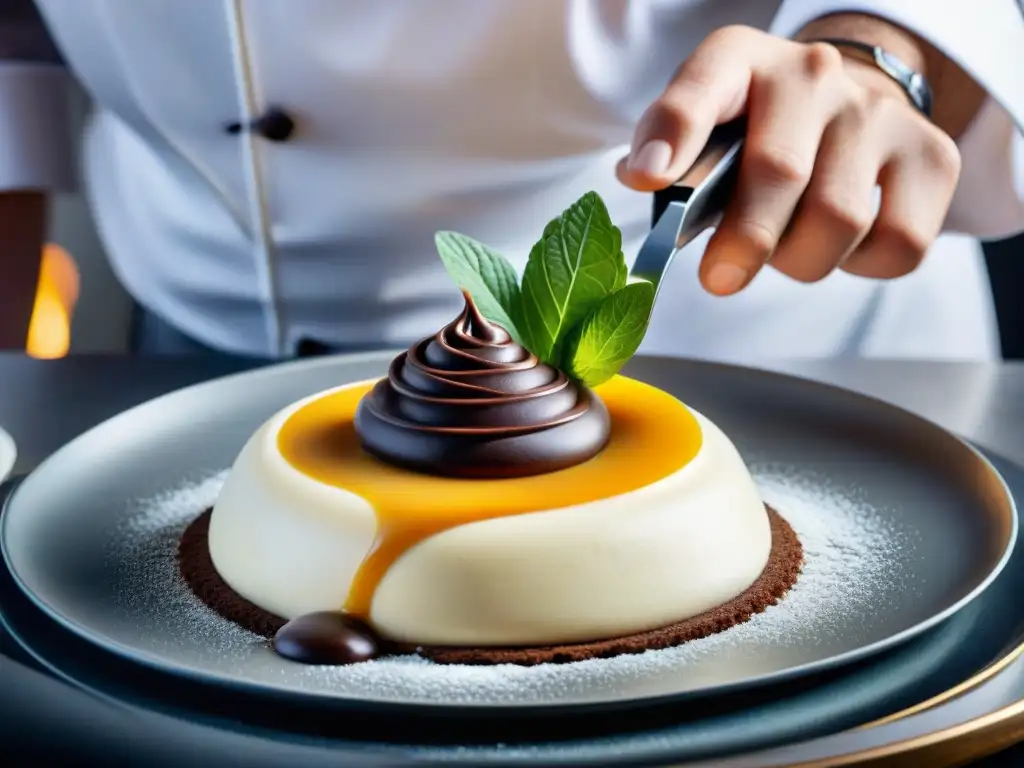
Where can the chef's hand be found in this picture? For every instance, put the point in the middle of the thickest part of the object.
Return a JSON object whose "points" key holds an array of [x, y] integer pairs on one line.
{"points": [[823, 131]]}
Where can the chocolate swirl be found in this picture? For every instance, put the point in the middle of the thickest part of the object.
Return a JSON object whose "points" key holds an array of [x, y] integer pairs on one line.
{"points": [[470, 402]]}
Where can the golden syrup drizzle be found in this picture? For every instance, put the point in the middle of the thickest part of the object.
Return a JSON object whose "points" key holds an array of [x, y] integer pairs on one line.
{"points": [[653, 436]]}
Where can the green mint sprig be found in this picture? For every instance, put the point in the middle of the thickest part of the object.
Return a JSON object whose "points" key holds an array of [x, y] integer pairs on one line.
{"points": [[573, 308], [489, 278]]}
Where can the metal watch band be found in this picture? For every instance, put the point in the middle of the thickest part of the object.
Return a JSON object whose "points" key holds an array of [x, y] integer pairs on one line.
{"points": [[913, 83]]}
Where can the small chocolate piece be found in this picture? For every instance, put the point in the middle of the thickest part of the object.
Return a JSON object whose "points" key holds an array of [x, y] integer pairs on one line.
{"points": [[471, 402], [326, 637], [778, 576]]}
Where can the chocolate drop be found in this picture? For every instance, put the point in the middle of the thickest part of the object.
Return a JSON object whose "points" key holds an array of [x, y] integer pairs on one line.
{"points": [[326, 637], [471, 402]]}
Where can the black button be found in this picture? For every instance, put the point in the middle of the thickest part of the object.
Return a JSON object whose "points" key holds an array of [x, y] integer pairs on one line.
{"points": [[275, 125], [312, 348]]}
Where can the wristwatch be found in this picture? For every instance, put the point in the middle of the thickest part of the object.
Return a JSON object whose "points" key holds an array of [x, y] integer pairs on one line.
{"points": [[913, 83]]}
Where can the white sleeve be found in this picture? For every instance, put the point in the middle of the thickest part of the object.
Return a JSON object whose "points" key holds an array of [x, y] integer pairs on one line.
{"points": [[986, 38], [35, 134], [35, 139]]}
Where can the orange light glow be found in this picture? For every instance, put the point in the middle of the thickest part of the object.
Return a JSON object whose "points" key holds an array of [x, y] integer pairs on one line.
{"points": [[49, 333]]}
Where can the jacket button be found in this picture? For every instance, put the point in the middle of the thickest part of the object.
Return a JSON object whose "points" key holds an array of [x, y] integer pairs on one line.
{"points": [[274, 125]]}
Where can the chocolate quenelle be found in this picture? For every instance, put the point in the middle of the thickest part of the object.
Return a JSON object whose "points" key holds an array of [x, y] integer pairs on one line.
{"points": [[471, 402]]}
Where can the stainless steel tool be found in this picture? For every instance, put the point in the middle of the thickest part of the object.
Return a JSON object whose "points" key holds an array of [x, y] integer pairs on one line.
{"points": [[693, 204]]}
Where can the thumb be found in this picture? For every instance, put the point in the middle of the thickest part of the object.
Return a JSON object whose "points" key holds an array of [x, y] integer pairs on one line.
{"points": [[710, 88]]}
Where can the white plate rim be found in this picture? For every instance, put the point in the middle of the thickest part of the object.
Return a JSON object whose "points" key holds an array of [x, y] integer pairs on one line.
{"points": [[8, 454]]}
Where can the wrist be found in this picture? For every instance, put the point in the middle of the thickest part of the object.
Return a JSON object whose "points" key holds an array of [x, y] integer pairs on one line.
{"points": [[885, 60], [871, 30], [869, 76], [956, 97]]}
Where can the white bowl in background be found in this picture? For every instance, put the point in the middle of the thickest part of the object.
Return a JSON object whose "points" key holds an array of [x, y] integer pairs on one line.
{"points": [[8, 454]]}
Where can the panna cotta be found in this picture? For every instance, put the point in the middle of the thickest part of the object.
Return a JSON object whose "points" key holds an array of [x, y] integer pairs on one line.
{"points": [[476, 497]]}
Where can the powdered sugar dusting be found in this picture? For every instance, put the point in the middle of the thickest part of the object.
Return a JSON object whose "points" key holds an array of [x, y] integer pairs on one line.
{"points": [[851, 565], [145, 554]]}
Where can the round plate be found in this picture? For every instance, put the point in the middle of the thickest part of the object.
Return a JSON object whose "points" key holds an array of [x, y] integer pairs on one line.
{"points": [[8, 454], [950, 674], [903, 525]]}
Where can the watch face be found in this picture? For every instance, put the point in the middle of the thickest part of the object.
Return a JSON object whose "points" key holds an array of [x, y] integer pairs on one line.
{"points": [[920, 93], [889, 63], [913, 82]]}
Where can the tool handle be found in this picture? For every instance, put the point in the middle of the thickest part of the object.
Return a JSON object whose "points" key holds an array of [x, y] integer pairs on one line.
{"points": [[708, 185]]}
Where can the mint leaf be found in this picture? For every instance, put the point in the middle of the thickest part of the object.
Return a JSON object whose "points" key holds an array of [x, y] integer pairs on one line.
{"points": [[621, 277], [574, 266], [486, 274], [600, 345]]}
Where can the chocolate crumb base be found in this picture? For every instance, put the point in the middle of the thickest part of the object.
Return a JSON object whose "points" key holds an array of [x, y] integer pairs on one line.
{"points": [[779, 575]]}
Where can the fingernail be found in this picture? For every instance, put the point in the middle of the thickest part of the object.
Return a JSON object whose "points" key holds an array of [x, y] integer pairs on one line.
{"points": [[725, 278], [653, 158]]}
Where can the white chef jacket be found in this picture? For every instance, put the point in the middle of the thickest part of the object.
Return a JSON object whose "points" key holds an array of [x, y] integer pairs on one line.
{"points": [[485, 117]]}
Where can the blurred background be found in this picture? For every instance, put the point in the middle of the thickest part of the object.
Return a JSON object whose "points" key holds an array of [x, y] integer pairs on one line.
{"points": [[81, 308]]}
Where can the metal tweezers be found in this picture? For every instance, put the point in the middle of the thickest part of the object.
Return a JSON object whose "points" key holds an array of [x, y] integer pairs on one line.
{"points": [[693, 204]]}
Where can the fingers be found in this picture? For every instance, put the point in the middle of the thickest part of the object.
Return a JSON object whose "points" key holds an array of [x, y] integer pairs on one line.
{"points": [[822, 133], [918, 181], [788, 116], [838, 207], [708, 89]]}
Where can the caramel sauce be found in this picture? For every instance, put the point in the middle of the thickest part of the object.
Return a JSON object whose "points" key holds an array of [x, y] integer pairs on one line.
{"points": [[653, 436]]}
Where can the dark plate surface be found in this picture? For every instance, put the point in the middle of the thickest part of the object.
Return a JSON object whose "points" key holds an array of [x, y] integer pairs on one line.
{"points": [[904, 525]]}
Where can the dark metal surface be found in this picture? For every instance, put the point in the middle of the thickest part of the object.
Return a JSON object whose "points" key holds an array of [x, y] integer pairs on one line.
{"points": [[695, 203], [43, 403]]}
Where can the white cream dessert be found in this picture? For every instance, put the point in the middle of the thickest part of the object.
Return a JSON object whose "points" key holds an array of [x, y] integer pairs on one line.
{"points": [[664, 523], [293, 544]]}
